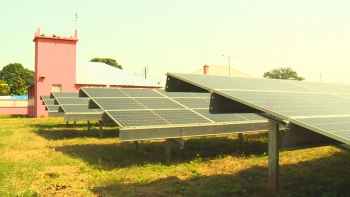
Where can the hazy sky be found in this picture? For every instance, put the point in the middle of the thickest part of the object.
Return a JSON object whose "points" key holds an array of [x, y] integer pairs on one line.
{"points": [[183, 35]]}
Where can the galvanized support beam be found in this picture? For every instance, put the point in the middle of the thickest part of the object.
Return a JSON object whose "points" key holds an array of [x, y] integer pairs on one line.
{"points": [[181, 131], [88, 126], [82, 116], [240, 138], [101, 132], [168, 149], [179, 142], [273, 154]]}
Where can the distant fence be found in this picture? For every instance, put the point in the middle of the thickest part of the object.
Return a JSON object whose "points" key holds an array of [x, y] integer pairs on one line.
{"points": [[13, 106]]}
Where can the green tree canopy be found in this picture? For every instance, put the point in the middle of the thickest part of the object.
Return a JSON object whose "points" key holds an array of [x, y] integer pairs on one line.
{"points": [[4, 88], [108, 61], [17, 77], [283, 73]]}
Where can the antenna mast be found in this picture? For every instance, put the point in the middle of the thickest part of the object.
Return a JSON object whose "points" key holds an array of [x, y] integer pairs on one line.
{"points": [[76, 21]]}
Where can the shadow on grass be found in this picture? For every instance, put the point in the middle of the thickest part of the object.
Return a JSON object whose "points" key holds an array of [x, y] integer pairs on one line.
{"points": [[320, 177], [119, 155], [80, 124], [70, 133]]}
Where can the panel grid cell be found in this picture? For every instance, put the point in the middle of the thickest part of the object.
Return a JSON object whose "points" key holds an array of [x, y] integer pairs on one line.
{"points": [[104, 92], [52, 108], [193, 102], [118, 103], [136, 118], [158, 103], [141, 93], [72, 101], [79, 109], [65, 94], [181, 116]]}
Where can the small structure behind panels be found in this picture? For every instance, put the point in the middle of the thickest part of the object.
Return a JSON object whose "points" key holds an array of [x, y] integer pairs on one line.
{"points": [[57, 70], [314, 114]]}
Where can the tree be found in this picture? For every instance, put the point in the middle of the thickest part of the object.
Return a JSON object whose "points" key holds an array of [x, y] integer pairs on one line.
{"points": [[109, 61], [283, 73], [17, 77], [4, 88]]}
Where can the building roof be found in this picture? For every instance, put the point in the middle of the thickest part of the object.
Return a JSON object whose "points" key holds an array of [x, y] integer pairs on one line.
{"points": [[222, 71], [98, 73]]}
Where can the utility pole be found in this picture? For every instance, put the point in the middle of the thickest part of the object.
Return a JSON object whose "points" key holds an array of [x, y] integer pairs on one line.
{"points": [[229, 63], [146, 71]]}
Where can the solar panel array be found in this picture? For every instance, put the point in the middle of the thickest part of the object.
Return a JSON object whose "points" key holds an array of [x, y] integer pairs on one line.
{"points": [[154, 107], [49, 103], [320, 107], [70, 102]]}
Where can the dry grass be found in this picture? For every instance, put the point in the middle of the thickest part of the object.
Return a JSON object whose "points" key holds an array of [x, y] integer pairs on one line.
{"points": [[43, 157]]}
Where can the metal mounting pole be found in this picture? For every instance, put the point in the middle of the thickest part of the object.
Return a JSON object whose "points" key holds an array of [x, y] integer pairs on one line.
{"points": [[136, 143], [168, 149], [240, 138], [88, 126], [273, 154], [101, 132]]}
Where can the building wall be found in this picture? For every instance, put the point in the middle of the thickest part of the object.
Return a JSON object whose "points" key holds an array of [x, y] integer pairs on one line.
{"points": [[13, 106], [55, 60]]}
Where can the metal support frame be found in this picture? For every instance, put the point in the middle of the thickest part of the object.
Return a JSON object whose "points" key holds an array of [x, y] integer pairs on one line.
{"points": [[168, 149], [240, 138], [136, 144], [273, 154], [82, 116], [88, 126], [101, 132], [181, 131]]}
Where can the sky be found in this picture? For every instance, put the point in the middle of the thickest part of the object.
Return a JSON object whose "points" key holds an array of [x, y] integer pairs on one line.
{"points": [[311, 37]]}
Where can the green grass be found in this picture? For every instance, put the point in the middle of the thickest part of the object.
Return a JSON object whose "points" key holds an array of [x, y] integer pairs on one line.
{"points": [[46, 157]]}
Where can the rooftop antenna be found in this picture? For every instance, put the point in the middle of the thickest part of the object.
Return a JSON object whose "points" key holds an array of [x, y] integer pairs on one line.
{"points": [[76, 21]]}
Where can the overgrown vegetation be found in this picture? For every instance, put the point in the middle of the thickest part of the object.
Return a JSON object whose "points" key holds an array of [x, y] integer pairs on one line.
{"points": [[45, 157]]}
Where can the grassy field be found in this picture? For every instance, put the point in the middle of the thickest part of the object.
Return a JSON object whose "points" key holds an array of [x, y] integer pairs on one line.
{"points": [[45, 157]]}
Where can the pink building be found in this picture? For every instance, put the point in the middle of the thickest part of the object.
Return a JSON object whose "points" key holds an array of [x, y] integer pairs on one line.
{"points": [[56, 70]]}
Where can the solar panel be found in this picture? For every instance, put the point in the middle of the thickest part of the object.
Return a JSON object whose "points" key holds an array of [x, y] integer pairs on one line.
{"points": [[52, 108], [136, 118], [72, 101], [334, 127], [159, 107], [193, 102], [65, 94], [103, 92], [49, 101], [176, 94], [42, 97], [290, 105], [79, 109], [117, 103], [181, 116], [158, 103], [210, 82], [141, 92], [230, 117], [320, 107]]}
